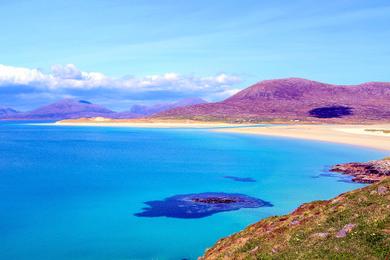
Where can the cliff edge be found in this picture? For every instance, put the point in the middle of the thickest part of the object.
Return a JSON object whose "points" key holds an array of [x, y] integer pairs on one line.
{"points": [[354, 225]]}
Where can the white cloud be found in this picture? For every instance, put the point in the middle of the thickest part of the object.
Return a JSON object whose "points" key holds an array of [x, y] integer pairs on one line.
{"points": [[20, 76], [68, 71], [69, 77]]}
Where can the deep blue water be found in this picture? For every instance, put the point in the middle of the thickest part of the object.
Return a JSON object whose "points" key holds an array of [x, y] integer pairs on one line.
{"points": [[72, 192]]}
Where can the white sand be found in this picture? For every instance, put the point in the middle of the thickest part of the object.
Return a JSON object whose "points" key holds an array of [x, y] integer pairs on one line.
{"points": [[345, 134]]}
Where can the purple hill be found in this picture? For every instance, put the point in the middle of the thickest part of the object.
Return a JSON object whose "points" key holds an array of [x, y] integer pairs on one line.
{"points": [[6, 112], [157, 108], [296, 99], [67, 109], [73, 108]]}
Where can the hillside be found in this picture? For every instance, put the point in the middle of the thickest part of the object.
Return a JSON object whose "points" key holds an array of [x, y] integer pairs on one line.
{"points": [[66, 108], [72, 108], [7, 112], [296, 99], [144, 110], [354, 225]]}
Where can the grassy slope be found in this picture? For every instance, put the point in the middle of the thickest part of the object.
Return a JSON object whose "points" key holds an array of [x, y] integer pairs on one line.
{"points": [[298, 235]]}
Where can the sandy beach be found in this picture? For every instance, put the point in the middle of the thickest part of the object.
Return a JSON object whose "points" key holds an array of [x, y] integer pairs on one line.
{"points": [[371, 136]]}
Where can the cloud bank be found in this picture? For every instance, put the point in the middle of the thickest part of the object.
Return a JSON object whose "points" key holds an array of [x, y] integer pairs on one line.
{"points": [[68, 81]]}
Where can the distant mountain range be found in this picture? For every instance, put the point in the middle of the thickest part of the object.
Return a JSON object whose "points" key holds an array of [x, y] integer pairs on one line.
{"points": [[73, 108], [295, 99], [291, 99], [6, 112], [153, 109]]}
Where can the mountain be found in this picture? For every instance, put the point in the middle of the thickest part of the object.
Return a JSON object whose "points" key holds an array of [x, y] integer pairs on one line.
{"points": [[354, 225], [295, 99], [153, 109], [6, 112], [73, 108], [67, 109]]}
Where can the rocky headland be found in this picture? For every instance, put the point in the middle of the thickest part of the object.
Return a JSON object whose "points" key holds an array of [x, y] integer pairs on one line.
{"points": [[366, 172], [354, 225]]}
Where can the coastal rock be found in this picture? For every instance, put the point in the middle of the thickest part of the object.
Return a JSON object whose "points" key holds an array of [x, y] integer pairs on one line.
{"points": [[345, 230], [319, 231], [382, 190], [254, 250], [200, 205], [368, 172], [320, 235], [295, 222]]}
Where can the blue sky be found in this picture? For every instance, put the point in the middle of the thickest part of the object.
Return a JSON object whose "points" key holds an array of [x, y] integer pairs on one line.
{"points": [[156, 51]]}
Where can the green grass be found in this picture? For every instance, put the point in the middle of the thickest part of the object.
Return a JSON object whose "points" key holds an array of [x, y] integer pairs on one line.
{"points": [[277, 238], [378, 130]]}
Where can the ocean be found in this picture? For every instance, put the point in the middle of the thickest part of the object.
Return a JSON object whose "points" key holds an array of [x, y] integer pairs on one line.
{"points": [[79, 192]]}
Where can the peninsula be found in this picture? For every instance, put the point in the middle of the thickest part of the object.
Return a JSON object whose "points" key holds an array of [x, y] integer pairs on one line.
{"points": [[354, 225]]}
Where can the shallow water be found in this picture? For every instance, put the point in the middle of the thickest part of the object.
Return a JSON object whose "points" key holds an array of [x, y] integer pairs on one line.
{"points": [[72, 192]]}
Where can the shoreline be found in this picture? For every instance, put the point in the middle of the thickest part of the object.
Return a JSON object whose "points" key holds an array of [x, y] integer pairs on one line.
{"points": [[358, 135], [145, 123], [376, 136]]}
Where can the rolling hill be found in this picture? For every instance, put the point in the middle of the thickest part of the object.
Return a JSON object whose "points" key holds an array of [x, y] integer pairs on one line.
{"points": [[7, 112], [354, 225], [73, 108], [296, 99], [144, 110], [65, 109]]}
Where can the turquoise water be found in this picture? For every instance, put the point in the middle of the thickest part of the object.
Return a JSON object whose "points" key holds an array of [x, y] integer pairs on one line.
{"points": [[72, 192]]}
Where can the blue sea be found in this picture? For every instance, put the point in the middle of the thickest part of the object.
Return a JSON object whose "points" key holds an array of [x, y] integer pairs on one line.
{"points": [[73, 192]]}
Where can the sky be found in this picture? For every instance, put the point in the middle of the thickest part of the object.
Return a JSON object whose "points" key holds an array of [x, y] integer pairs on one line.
{"points": [[118, 53]]}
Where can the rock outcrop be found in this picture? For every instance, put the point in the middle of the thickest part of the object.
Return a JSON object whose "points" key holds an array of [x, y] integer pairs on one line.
{"points": [[354, 225], [367, 172]]}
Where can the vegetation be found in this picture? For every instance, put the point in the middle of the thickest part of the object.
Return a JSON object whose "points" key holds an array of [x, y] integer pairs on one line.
{"points": [[331, 112], [354, 225], [378, 130]]}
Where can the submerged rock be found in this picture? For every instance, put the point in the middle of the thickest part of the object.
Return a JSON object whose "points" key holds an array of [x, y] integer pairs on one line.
{"points": [[240, 179], [200, 205], [215, 200]]}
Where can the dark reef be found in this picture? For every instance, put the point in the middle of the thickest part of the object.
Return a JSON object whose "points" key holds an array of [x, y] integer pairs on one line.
{"points": [[200, 205], [240, 179], [341, 178]]}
